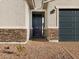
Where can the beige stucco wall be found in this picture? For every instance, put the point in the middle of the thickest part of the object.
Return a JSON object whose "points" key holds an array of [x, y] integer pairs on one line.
{"points": [[38, 4], [14, 13], [53, 19]]}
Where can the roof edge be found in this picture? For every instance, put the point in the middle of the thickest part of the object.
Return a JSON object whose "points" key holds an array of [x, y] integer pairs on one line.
{"points": [[31, 3]]}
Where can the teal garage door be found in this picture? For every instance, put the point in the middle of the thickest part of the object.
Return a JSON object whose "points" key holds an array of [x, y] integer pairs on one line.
{"points": [[69, 25]]}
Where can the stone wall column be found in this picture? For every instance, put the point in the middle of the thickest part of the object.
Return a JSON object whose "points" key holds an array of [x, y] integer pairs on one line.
{"points": [[13, 35], [52, 34]]}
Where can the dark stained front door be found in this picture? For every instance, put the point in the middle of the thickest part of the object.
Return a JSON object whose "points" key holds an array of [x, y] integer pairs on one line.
{"points": [[37, 25]]}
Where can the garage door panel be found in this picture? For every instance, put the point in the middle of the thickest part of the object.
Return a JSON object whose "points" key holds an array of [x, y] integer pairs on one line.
{"points": [[65, 12], [70, 34], [77, 19], [77, 13], [67, 37], [77, 37], [69, 24], [67, 33], [65, 25], [66, 15], [77, 31], [77, 27], [65, 30], [66, 19], [77, 22]]}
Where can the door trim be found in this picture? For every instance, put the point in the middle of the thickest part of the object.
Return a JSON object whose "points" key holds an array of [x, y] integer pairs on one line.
{"points": [[43, 21]]}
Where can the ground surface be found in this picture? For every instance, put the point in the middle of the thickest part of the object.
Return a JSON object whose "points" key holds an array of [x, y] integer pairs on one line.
{"points": [[41, 50]]}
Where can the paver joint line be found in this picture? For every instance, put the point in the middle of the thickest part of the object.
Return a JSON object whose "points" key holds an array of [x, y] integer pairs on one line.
{"points": [[72, 55]]}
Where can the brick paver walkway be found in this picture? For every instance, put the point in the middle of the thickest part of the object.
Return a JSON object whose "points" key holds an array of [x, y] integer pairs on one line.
{"points": [[41, 50]]}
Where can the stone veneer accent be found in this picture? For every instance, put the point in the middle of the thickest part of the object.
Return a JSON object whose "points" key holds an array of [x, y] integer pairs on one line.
{"points": [[13, 35], [52, 34]]}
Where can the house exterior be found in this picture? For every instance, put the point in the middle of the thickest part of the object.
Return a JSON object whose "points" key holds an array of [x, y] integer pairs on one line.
{"points": [[62, 20], [14, 23], [54, 20]]}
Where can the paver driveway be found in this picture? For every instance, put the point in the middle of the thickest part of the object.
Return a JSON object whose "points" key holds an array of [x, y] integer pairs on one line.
{"points": [[41, 50]]}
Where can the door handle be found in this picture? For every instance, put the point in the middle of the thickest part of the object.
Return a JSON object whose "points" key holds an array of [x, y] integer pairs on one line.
{"points": [[36, 27]]}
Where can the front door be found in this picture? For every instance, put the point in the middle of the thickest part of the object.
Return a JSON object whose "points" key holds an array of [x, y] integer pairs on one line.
{"points": [[37, 25]]}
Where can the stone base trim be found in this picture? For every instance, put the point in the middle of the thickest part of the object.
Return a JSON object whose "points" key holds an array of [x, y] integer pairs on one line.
{"points": [[52, 34], [13, 35]]}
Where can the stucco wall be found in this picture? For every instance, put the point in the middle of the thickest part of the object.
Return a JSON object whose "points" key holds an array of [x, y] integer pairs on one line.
{"points": [[14, 16], [53, 19], [38, 4], [12, 13]]}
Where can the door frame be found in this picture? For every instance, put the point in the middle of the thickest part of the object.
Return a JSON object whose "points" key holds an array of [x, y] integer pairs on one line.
{"points": [[43, 21]]}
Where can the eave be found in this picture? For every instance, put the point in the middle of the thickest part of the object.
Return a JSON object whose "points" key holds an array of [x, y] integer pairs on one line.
{"points": [[31, 3], [45, 3]]}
